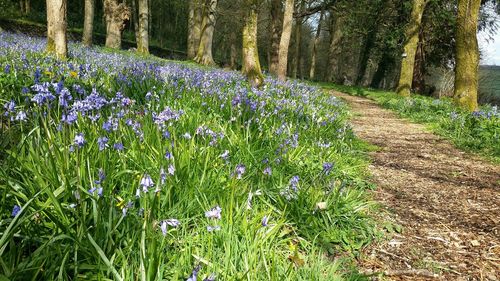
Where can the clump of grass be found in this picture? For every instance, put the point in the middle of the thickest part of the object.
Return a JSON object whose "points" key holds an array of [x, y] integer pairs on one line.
{"points": [[123, 167]]}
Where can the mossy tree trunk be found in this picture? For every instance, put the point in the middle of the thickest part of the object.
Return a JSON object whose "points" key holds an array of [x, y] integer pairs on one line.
{"points": [[275, 36], [314, 51], [143, 44], [285, 39], [116, 15], [51, 45], [334, 51], [204, 55], [194, 28], [467, 54], [88, 23], [410, 48], [57, 42], [251, 64]]}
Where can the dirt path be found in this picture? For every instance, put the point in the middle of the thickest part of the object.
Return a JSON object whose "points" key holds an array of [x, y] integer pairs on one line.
{"points": [[447, 202]]}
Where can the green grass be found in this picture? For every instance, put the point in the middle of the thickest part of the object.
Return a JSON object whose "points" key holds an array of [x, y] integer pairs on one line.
{"points": [[477, 132]]}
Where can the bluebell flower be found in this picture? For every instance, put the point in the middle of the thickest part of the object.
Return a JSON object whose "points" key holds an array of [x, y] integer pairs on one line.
{"points": [[15, 210], [163, 176], [119, 146], [10, 107], [187, 136], [239, 171], [169, 222], [211, 277], [146, 182], [7, 69], [166, 134], [171, 169], [21, 116], [265, 221], [79, 140], [103, 143], [225, 155], [327, 167], [214, 213], [267, 171], [168, 155], [64, 97], [194, 274]]}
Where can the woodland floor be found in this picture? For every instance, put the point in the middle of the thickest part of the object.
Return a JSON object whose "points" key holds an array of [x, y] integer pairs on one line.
{"points": [[446, 201]]}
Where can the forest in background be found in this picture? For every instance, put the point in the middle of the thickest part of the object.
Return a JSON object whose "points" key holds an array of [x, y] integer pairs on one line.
{"points": [[354, 42]]}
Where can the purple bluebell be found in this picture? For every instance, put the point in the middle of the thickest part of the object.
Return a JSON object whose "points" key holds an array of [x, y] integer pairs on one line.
{"points": [[103, 143], [119, 146], [194, 274], [265, 221], [213, 228], [327, 167], [267, 171], [211, 277], [225, 155], [146, 182], [163, 176], [79, 140], [214, 213], [10, 107], [171, 169], [239, 171], [15, 210], [21, 116], [168, 155]]}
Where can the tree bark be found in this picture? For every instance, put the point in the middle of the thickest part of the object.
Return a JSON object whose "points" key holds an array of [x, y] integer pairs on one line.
{"points": [[336, 31], [467, 54], [51, 45], [285, 39], [275, 37], [88, 23], [135, 21], [251, 64], [116, 15], [143, 44], [194, 28], [315, 47], [56, 28], [410, 48], [298, 42], [27, 7], [204, 55]]}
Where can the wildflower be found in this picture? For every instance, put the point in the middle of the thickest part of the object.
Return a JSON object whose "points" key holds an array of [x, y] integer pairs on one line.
{"points": [[265, 221], [294, 182], [163, 176], [187, 136], [171, 169], [138, 193], [211, 277], [146, 182], [119, 146], [79, 140], [168, 155], [170, 222], [327, 167], [103, 143], [21, 116], [214, 213], [240, 170], [69, 118], [194, 274], [267, 171], [166, 134], [128, 206], [101, 175], [213, 228], [225, 155], [9, 107], [16, 210], [99, 191]]}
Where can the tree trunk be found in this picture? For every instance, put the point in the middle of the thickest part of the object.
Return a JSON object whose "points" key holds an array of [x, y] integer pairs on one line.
{"points": [[233, 52], [467, 54], [51, 45], [116, 15], [143, 44], [251, 64], [56, 28], [204, 55], [136, 21], [194, 28], [285, 39], [275, 37], [315, 47], [88, 23], [334, 50], [418, 80], [27, 7], [410, 48]]}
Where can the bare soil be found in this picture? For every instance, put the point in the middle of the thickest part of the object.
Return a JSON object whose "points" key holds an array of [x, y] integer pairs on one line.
{"points": [[446, 201]]}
